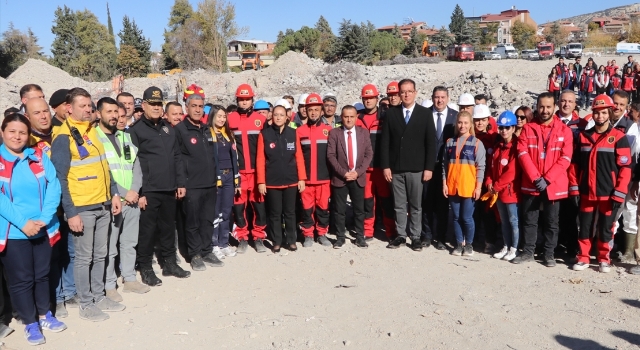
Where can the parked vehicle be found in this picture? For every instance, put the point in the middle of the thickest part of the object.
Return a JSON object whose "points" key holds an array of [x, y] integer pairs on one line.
{"points": [[495, 56], [462, 52], [251, 60], [529, 55], [506, 51], [625, 48], [545, 50], [574, 50], [561, 52], [482, 56]]}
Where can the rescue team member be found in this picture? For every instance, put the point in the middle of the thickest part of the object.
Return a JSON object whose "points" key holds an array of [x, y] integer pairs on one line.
{"points": [[587, 86], [246, 125], [329, 105], [376, 188], [350, 154], [89, 197], [125, 169], [435, 206], [163, 179], [466, 103], [28, 201], [463, 164], [503, 181], [199, 155], [62, 255], [545, 147], [56, 102], [485, 217], [315, 198], [301, 117], [599, 178], [262, 107], [393, 94], [280, 172], [173, 113], [228, 180]]}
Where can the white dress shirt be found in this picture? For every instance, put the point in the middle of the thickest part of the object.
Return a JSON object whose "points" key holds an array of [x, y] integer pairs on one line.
{"points": [[410, 109], [354, 145], [435, 116]]}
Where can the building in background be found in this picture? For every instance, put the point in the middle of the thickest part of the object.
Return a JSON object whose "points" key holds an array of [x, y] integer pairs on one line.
{"points": [[237, 46], [505, 21]]}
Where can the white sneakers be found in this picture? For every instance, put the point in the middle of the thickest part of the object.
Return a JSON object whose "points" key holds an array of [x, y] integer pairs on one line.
{"points": [[220, 253], [604, 267], [501, 253], [507, 254]]}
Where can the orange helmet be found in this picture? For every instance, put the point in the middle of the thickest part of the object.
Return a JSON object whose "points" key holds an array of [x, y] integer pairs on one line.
{"points": [[393, 88], [192, 89], [244, 90], [369, 90], [314, 100], [602, 101]]}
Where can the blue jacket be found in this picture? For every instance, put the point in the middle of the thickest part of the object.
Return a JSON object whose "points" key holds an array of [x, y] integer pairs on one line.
{"points": [[30, 190]]}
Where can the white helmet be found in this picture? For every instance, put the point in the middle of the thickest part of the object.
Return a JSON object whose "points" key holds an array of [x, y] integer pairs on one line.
{"points": [[284, 103], [466, 100], [514, 109], [427, 103], [481, 111], [302, 99]]}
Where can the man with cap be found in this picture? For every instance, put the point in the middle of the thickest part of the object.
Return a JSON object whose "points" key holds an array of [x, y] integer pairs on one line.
{"points": [[89, 197], [301, 117], [163, 182], [377, 193], [57, 102], [138, 111], [435, 207], [329, 116], [194, 89], [315, 197], [246, 124], [393, 93], [466, 103], [262, 107]]}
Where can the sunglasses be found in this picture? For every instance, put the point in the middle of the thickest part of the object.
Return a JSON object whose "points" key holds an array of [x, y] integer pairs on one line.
{"points": [[504, 128], [522, 117]]}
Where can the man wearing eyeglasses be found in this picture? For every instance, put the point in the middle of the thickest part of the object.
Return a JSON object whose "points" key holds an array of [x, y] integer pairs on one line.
{"points": [[408, 157]]}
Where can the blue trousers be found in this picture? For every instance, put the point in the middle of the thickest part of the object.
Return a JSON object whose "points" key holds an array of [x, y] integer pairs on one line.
{"points": [[463, 224], [62, 258], [509, 221], [224, 204]]}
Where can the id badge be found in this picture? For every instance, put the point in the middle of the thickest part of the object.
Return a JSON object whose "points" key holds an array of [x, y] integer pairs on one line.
{"points": [[543, 155]]}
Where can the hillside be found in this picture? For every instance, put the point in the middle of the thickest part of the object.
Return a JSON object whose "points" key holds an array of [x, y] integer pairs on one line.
{"points": [[611, 12]]}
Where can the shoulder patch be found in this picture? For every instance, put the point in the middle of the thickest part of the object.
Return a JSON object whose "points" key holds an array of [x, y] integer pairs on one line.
{"points": [[611, 139]]}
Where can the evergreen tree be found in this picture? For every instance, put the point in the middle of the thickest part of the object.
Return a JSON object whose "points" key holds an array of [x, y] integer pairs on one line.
{"points": [[396, 32], [442, 38], [64, 48], [95, 47], [473, 28], [16, 47], [353, 44], [181, 12], [457, 24], [130, 62], [132, 36], [110, 25], [323, 26], [413, 46]]}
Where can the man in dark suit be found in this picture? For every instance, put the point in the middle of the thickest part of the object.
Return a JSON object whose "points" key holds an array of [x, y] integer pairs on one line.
{"points": [[435, 210], [408, 158], [349, 154]]}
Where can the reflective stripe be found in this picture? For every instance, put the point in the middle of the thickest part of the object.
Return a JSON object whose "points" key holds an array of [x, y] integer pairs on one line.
{"points": [[567, 158], [533, 146], [528, 189], [305, 142], [555, 149], [89, 160], [619, 194], [237, 132], [561, 193], [4, 179], [522, 154], [585, 149], [40, 174], [573, 188], [374, 131], [118, 166], [253, 132], [606, 150], [322, 141]]}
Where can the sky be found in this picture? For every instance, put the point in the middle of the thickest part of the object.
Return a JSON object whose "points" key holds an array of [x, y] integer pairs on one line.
{"points": [[265, 19]]}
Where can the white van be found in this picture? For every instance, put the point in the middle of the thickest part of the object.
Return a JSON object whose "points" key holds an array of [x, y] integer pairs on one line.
{"points": [[574, 50], [624, 48], [506, 51]]}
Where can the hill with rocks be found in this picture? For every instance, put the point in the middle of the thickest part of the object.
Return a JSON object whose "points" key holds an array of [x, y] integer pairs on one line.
{"points": [[620, 11]]}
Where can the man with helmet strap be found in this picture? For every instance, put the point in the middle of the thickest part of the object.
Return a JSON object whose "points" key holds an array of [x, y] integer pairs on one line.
{"points": [[376, 186], [393, 94], [599, 178], [301, 117], [246, 124]]}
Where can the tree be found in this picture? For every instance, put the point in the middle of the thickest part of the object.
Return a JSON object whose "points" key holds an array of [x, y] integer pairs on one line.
{"points": [[443, 38], [458, 22], [130, 62], [556, 34], [131, 35], [110, 25], [592, 26], [323, 26], [65, 44], [413, 46], [396, 32], [95, 61], [524, 35], [353, 43], [633, 34], [385, 45], [488, 34], [180, 13], [474, 32], [16, 47], [466, 33], [600, 39]]}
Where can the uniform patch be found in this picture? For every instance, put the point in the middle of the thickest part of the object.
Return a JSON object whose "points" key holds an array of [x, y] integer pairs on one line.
{"points": [[503, 121], [624, 160], [257, 123], [291, 146], [272, 145], [165, 129], [1, 166], [194, 141], [325, 132], [504, 162], [244, 92], [611, 139], [560, 139]]}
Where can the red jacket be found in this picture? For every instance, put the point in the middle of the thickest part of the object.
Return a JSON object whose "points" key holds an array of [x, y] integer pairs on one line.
{"points": [[552, 85], [600, 170], [628, 82], [313, 139], [246, 130], [611, 70], [550, 161], [588, 81], [616, 81], [488, 139], [373, 123], [504, 171]]}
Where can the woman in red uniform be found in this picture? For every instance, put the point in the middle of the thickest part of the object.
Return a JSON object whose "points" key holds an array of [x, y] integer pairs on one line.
{"points": [[280, 169]]}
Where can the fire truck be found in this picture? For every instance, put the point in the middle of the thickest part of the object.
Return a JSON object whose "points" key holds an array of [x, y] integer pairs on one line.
{"points": [[545, 50], [463, 52]]}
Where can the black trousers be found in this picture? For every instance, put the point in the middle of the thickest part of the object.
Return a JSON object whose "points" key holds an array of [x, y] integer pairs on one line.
{"points": [[530, 214], [435, 210], [281, 203], [568, 223], [157, 223], [199, 206], [339, 199]]}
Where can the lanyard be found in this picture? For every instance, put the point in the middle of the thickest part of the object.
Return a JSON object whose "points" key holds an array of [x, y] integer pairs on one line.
{"points": [[543, 155]]}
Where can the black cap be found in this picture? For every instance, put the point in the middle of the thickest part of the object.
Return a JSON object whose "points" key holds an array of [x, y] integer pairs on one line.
{"points": [[59, 97], [152, 95], [137, 103]]}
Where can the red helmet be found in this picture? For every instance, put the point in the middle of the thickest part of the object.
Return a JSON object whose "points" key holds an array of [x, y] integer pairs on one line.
{"points": [[192, 89], [602, 101], [393, 88], [369, 90], [314, 100], [244, 90]]}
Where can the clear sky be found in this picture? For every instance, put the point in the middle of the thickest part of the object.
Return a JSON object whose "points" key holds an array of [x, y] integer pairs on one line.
{"points": [[266, 18]]}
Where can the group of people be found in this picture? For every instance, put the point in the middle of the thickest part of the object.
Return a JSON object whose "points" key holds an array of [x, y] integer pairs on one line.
{"points": [[592, 80], [95, 190]]}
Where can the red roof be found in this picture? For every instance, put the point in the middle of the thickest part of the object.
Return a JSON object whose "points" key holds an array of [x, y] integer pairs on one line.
{"points": [[405, 26]]}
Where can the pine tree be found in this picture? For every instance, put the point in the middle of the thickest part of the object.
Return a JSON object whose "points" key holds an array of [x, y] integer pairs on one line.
{"points": [[16, 47], [132, 36], [396, 32], [442, 38], [96, 59], [64, 48], [353, 44], [457, 24], [413, 46], [181, 12], [323, 26], [109, 25]]}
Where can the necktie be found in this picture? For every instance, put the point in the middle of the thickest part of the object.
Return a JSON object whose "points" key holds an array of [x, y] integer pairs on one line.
{"points": [[350, 150], [407, 116], [439, 126]]}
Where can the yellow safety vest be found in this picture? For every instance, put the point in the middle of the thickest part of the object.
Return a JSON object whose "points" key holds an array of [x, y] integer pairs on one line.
{"points": [[88, 178]]}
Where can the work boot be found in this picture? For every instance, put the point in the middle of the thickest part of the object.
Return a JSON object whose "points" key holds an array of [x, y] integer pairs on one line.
{"points": [[324, 241], [629, 244], [259, 244], [113, 295], [149, 278], [172, 269], [61, 310], [308, 242], [212, 260], [242, 246], [135, 287], [196, 264]]}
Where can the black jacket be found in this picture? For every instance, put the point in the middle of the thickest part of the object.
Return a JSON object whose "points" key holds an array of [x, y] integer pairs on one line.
{"points": [[159, 155], [199, 154], [408, 147]]}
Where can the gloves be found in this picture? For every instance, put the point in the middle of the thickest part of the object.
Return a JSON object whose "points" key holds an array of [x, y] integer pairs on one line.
{"points": [[491, 198], [575, 200], [541, 184]]}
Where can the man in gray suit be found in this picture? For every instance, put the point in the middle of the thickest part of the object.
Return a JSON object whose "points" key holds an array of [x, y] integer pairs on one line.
{"points": [[435, 207]]}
